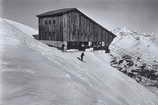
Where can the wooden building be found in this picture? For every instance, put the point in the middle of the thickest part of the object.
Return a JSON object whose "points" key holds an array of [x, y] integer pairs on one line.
{"points": [[71, 29]]}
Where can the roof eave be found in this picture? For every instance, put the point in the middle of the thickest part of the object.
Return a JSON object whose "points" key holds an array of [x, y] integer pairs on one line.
{"points": [[57, 14]]}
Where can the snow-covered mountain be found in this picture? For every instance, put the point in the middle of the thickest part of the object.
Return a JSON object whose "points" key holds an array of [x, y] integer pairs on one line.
{"points": [[136, 55], [135, 44], [35, 74]]}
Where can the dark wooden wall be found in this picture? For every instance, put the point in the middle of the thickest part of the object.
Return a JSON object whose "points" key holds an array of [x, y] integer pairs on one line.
{"points": [[51, 28], [73, 26], [81, 28]]}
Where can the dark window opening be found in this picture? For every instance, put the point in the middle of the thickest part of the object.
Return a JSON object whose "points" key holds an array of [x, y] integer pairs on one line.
{"points": [[49, 21], [46, 22], [53, 21]]}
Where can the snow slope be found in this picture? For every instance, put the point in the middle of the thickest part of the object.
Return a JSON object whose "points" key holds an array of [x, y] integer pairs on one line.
{"points": [[35, 74], [25, 29]]}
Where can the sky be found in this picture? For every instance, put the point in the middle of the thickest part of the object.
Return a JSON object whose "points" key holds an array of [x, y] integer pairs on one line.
{"points": [[137, 15]]}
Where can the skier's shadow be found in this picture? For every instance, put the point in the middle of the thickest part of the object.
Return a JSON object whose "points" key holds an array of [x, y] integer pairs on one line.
{"points": [[80, 59]]}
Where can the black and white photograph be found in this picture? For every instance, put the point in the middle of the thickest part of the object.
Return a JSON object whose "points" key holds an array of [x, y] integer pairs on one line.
{"points": [[78, 52]]}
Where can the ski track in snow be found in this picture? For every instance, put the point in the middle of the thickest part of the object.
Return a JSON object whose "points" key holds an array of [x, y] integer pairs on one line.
{"points": [[35, 74]]}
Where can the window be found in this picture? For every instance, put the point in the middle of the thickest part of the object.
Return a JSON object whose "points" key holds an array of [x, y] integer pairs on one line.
{"points": [[46, 22], [53, 21], [49, 21]]}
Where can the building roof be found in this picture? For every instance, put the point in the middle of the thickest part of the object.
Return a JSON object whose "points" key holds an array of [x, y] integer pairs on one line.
{"points": [[57, 12]]}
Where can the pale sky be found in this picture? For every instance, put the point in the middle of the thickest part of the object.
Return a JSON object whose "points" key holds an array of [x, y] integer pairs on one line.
{"points": [[138, 15]]}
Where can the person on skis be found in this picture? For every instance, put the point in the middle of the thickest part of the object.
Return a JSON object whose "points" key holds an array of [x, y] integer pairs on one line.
{"points": [[82, 55]]}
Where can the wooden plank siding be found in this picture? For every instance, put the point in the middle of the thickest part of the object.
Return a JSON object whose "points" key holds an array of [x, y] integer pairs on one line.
{"points": [[65, 27], [80, 28], [72, 26], [51, 28]]}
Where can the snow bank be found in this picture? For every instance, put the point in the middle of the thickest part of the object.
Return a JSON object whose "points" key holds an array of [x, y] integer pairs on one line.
{"points": [[35, 74]]}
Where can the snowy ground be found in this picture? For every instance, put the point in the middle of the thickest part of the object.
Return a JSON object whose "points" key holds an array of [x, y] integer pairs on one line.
{"points": [[35, 74]]}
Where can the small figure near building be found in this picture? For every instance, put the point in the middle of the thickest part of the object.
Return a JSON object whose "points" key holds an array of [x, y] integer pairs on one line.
{"points": [[107, 49], [63, 47]]}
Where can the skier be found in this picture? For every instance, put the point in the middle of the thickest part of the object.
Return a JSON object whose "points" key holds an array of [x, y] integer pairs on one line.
{"points": [[82, 54]]}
